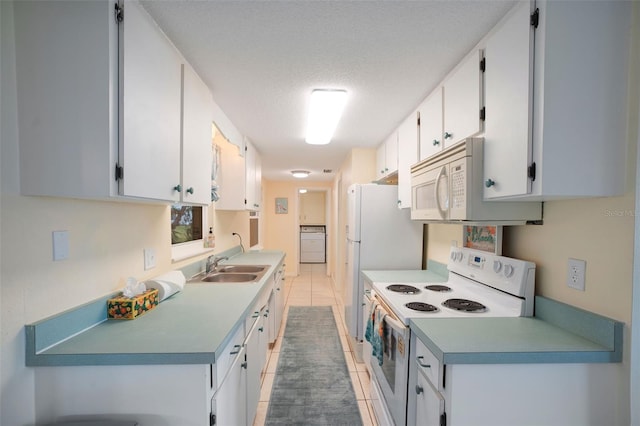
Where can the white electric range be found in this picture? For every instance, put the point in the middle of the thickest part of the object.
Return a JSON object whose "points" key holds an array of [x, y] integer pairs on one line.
{"points": [[480, 284]]}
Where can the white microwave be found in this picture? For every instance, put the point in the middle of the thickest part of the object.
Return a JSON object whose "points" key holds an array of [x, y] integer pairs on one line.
{"points": [[447, 187]]}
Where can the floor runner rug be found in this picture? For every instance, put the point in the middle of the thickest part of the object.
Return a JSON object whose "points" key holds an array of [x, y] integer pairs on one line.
{"points": [[312, 385]]}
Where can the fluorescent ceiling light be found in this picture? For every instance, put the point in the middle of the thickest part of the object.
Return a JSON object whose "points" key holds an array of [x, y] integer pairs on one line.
{"points": [[300, 173], [324, 113], [302, 191]]}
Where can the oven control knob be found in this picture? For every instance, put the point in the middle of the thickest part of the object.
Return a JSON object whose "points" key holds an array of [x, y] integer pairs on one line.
{"points": [[497, 266], [453, 255], [459, 256], [508, 271]]}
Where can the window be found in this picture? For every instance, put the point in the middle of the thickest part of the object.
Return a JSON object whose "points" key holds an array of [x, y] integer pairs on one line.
{"points": [[186, 223]]}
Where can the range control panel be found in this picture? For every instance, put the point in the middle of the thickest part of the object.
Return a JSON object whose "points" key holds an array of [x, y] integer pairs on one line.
{"points": [[514, 276]]}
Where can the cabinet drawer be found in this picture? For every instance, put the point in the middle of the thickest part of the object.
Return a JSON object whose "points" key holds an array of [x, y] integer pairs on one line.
{"points": [[429, 365], [228, 355]]}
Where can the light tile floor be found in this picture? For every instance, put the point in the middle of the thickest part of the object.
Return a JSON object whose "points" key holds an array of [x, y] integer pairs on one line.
{"points": [[314, 288]]}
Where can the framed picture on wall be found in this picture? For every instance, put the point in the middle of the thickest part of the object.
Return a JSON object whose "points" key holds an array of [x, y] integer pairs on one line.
{"points": [[484, 238], [282, 205]]}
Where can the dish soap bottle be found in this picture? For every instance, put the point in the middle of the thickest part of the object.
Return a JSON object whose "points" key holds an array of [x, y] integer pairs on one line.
{"points": [[211, 239]]}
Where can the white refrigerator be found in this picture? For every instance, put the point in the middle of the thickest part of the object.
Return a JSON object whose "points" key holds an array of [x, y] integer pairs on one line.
{"points": [[380, 236]]}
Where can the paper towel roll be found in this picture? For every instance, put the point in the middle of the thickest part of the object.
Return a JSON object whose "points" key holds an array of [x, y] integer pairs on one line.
{"points": [[167, 284]]}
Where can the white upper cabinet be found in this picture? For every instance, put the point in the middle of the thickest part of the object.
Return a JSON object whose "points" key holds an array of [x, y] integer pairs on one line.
{"points": [[463, 101], [150, 81], [197, 153], [253, 172], [431, 124], [99, 98], [508, 84], [557, 129], [407, 156], [387, 156], [231, 176], [239, 177]]}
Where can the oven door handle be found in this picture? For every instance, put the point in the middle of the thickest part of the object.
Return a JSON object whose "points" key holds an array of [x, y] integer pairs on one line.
{"points": [[396, 325], [389, 317]]}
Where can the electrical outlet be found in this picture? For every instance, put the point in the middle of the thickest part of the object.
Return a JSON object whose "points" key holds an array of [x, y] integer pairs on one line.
{"points": [[149, 259], [60, 245], [576, 273]]}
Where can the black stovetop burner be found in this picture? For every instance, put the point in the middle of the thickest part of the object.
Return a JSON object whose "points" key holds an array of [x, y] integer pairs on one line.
{"points": [[403, 288], [464, 305], [422, 307], [438, 288]]}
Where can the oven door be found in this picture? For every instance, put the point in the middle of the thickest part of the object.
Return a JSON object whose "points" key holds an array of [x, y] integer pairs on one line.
{"points": [[430, 193], [391, 376]]}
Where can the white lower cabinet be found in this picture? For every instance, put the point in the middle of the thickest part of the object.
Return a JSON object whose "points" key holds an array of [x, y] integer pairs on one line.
{"points": [[429, 402], [255, 357], [225, 393], [229, 403], [276, 304], [550, 394]]}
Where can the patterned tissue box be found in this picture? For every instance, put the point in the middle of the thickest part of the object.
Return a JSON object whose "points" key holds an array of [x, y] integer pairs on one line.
{"points": [[121, 307]]}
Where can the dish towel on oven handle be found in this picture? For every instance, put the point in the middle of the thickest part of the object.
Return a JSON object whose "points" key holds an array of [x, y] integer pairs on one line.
{"points": [[368, 334], [376, 332]]}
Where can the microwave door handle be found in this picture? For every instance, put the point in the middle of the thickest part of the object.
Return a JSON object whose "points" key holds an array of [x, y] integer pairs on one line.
{"points": [[435, 189]]}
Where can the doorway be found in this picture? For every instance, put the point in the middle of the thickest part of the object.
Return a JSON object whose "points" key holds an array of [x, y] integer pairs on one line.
{"points": [[314, 215]]}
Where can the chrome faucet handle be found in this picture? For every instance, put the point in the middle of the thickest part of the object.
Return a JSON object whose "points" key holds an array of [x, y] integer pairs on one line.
{"points": [[211, 262]]}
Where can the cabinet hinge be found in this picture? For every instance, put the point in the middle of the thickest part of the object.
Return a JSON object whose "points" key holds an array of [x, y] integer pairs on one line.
{"points": [[482, 113], [245, 201], [535, 18], [531, 171], [418, 120], [443, 419], [119, 172], [212, 419], [119, 10], [483, 64]]}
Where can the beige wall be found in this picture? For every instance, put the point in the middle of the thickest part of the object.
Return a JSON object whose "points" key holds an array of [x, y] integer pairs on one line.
{"points": [[282, 231]]}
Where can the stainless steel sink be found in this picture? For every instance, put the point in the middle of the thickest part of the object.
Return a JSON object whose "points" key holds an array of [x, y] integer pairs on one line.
{"points": [[240, 268], [231, 274], [229, 278]]}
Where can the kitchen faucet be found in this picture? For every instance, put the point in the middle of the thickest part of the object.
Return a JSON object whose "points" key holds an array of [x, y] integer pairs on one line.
{"points": [[212, 262]]}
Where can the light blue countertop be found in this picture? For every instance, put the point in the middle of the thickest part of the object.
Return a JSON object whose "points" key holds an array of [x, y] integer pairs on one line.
{"points": [[505, 341], [190, 327], [543, 339], [435, 272]]}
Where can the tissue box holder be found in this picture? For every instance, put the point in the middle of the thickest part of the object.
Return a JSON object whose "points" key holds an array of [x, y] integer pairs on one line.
{"points": [[121, 307]]}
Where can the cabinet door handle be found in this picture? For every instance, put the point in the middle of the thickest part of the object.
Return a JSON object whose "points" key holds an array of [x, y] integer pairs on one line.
{"points": [[244, 365], [419, 389], [436, 142], [177, 188], [448, 135], [190, 190], [255, 315], [489, 183], [236, 349], [261, 329], [420, 363]]}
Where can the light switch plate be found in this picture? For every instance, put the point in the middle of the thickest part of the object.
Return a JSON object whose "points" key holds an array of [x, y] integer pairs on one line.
{"points": [[149, 259], [60, 245]]}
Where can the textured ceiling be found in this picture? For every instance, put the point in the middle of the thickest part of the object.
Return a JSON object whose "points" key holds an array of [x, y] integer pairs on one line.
{"points": [[261, 60]]}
